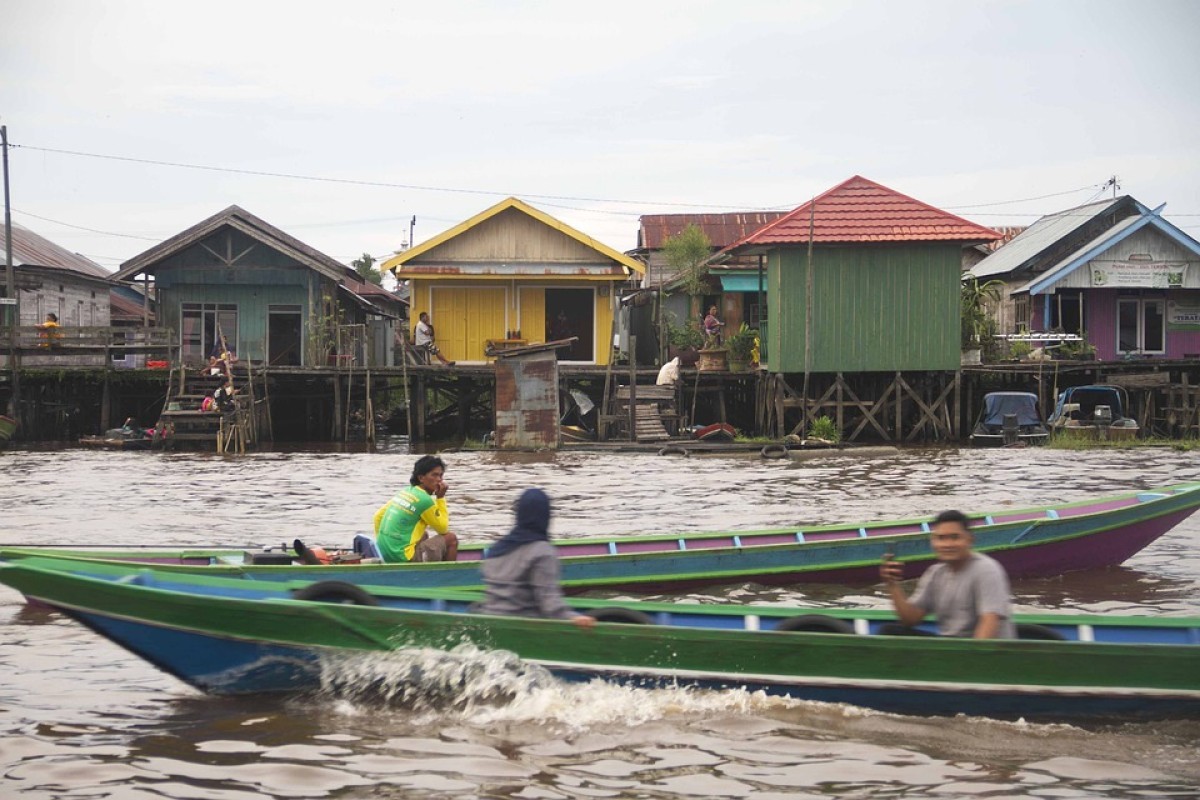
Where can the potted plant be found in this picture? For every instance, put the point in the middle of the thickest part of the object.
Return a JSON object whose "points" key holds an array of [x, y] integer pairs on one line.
{"points": [[683, 341], [741, 348], [975, 320]]}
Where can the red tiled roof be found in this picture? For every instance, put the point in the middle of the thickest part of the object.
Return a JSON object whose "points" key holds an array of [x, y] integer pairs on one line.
{"points": [[860, 210], [721, 229]]}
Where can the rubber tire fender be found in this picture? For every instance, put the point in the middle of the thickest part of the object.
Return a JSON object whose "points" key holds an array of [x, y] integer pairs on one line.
{"points": [[624, 616], [814, 623], [674, 450], [774, 451], [335, 592], [1028, 630]]}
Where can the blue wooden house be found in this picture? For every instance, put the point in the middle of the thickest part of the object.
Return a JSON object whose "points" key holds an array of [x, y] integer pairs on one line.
{"points": [[274, 299]]}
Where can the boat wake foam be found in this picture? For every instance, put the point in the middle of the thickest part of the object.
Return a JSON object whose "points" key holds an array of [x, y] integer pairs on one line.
{"points": [[461, 678]]}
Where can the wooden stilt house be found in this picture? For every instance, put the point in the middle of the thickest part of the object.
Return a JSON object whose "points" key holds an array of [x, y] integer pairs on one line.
{"points": [[513, 275]]}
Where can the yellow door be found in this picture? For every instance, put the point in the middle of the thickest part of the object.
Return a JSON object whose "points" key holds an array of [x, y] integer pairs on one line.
{"points": [[464, 319], [532, 322]]}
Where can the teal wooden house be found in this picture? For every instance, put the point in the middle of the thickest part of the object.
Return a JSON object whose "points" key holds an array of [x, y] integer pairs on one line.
{"points": [[274, 299], [885, 282]]}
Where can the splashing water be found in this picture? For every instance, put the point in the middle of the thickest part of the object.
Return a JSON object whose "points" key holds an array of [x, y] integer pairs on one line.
{"points": [[462, 677]]}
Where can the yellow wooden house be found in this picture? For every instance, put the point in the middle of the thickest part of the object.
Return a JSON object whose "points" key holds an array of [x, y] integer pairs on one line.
{"points": [[515, 273]]}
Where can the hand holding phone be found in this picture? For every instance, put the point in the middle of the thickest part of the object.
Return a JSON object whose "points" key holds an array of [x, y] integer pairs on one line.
{"points": [[890, 570]]}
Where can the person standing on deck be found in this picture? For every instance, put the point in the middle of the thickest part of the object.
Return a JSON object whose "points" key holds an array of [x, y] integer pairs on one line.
{"points": [[521, 572], [403, 524], [966, 591], [712, 328]]}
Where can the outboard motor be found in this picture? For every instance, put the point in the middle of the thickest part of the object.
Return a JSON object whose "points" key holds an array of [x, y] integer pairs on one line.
{"points": [[1102, 418], [1010, 429]]}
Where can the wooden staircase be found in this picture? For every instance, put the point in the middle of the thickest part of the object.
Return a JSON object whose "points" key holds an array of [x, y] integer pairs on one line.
{"points": [[185, 424], [654, 408]]}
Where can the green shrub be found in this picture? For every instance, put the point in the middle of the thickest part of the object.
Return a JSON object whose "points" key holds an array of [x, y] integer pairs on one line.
{"points": [[824, 428]]}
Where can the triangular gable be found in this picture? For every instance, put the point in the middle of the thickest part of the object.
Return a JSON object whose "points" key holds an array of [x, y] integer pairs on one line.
{"points": [[397, 262], [241, 220], [1106, 241], [859, 210], [1044, 234]]}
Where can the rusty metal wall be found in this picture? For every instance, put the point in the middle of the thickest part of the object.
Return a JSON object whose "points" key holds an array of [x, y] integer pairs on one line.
{"points": [[527, 402]]}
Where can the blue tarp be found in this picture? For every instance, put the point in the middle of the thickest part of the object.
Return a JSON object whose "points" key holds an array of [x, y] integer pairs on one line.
{"points": [[1088, 397], [1023, 404]]}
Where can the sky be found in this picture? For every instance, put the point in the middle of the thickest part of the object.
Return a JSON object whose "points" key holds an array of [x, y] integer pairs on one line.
{"points": [[596, 113]]}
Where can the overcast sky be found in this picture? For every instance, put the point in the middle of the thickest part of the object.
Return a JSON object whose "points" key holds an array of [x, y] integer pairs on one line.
{"points": [[595, 112]]}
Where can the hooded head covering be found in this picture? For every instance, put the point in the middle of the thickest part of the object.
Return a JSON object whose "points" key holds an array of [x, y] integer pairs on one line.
{"points": [[533, 523]]}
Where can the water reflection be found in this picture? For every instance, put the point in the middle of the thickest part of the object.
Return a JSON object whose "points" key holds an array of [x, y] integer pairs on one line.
{"points": [[83, 718]]}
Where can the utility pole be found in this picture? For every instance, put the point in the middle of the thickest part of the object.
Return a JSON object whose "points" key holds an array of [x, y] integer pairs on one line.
{"points": [[412, 226], [10, 296], [1115, 184]]}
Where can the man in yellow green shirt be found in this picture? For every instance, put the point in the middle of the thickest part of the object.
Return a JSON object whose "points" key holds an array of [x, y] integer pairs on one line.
{"points": [[415, 524]]}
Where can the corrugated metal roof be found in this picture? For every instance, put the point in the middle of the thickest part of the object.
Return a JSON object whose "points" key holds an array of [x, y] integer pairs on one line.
{"points": [[239, 219], [860, 210], [124, 308], [32, 249], [1038, 237], [721, 229]]}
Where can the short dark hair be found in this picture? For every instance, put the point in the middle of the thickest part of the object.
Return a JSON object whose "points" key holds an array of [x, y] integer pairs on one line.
{"points": [[52, 316], [425, 465], [953, 516]]}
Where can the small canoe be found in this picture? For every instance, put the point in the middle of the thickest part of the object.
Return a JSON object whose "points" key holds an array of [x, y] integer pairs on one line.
{"points": [[233, 637], [1031, 542], [717, 432]]}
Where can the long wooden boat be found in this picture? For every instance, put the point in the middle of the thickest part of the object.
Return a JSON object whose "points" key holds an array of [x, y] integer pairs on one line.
{"points": [[1031, 542], [228, 636]]}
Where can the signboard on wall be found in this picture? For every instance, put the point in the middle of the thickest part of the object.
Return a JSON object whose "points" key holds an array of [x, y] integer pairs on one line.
{"points": [[1183, 316], [1138, 274]]}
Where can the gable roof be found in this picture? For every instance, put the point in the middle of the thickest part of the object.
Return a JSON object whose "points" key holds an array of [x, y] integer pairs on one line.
{"points": [[1040, 236], [30, 249], [722, 230], [242, 220], [860, 210], [1107, 240], [401, 259]]}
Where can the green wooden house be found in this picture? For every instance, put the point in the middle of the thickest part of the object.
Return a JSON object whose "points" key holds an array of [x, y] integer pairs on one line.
{"points": [[885, 275], [274, 299]]}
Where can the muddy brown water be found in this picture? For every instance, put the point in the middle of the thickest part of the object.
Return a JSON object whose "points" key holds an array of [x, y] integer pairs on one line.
{"points": [[80, 717]]}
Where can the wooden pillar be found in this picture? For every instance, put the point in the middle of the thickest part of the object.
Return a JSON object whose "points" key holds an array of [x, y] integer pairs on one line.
{"points": [[840, 398], [899, 409], [336, 429], [466, 390], [106, 405], [419, 412], [956, 432]]}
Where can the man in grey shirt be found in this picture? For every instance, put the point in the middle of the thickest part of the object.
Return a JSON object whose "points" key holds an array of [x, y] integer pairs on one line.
{"points": [[521, 572], [966, 591]]}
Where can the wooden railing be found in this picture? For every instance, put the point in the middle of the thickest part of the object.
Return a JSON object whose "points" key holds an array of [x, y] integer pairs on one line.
{"points": [[68, 340]]}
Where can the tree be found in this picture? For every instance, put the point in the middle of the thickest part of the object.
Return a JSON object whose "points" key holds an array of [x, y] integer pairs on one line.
{"points": [[365, 267], [687, 256], [975, 299]]}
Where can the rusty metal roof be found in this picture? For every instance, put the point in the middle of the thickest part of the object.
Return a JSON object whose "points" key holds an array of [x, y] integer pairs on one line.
{"points": [[722, 230], [861, 211], [34, 250]]}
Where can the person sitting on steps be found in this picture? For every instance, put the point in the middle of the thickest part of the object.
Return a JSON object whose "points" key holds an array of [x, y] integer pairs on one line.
{"points": [[424, 340]]}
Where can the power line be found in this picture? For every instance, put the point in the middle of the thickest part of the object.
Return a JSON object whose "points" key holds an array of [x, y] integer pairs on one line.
{"points": [[353, 181], [1027, 199], [89, 230]]}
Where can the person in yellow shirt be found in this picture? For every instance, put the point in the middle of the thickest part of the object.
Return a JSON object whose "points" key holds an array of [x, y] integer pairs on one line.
{"points": [[49, 331], [415, 524]]}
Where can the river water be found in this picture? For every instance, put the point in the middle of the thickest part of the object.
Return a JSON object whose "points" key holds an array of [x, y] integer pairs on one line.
{"points": [[81, 718]]}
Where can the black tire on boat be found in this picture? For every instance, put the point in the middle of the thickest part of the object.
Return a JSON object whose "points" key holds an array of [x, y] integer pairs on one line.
{"points": [[335, 592], [626, 616], [815, 623], [1027, 630], [673, 450], [774, 451]]}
